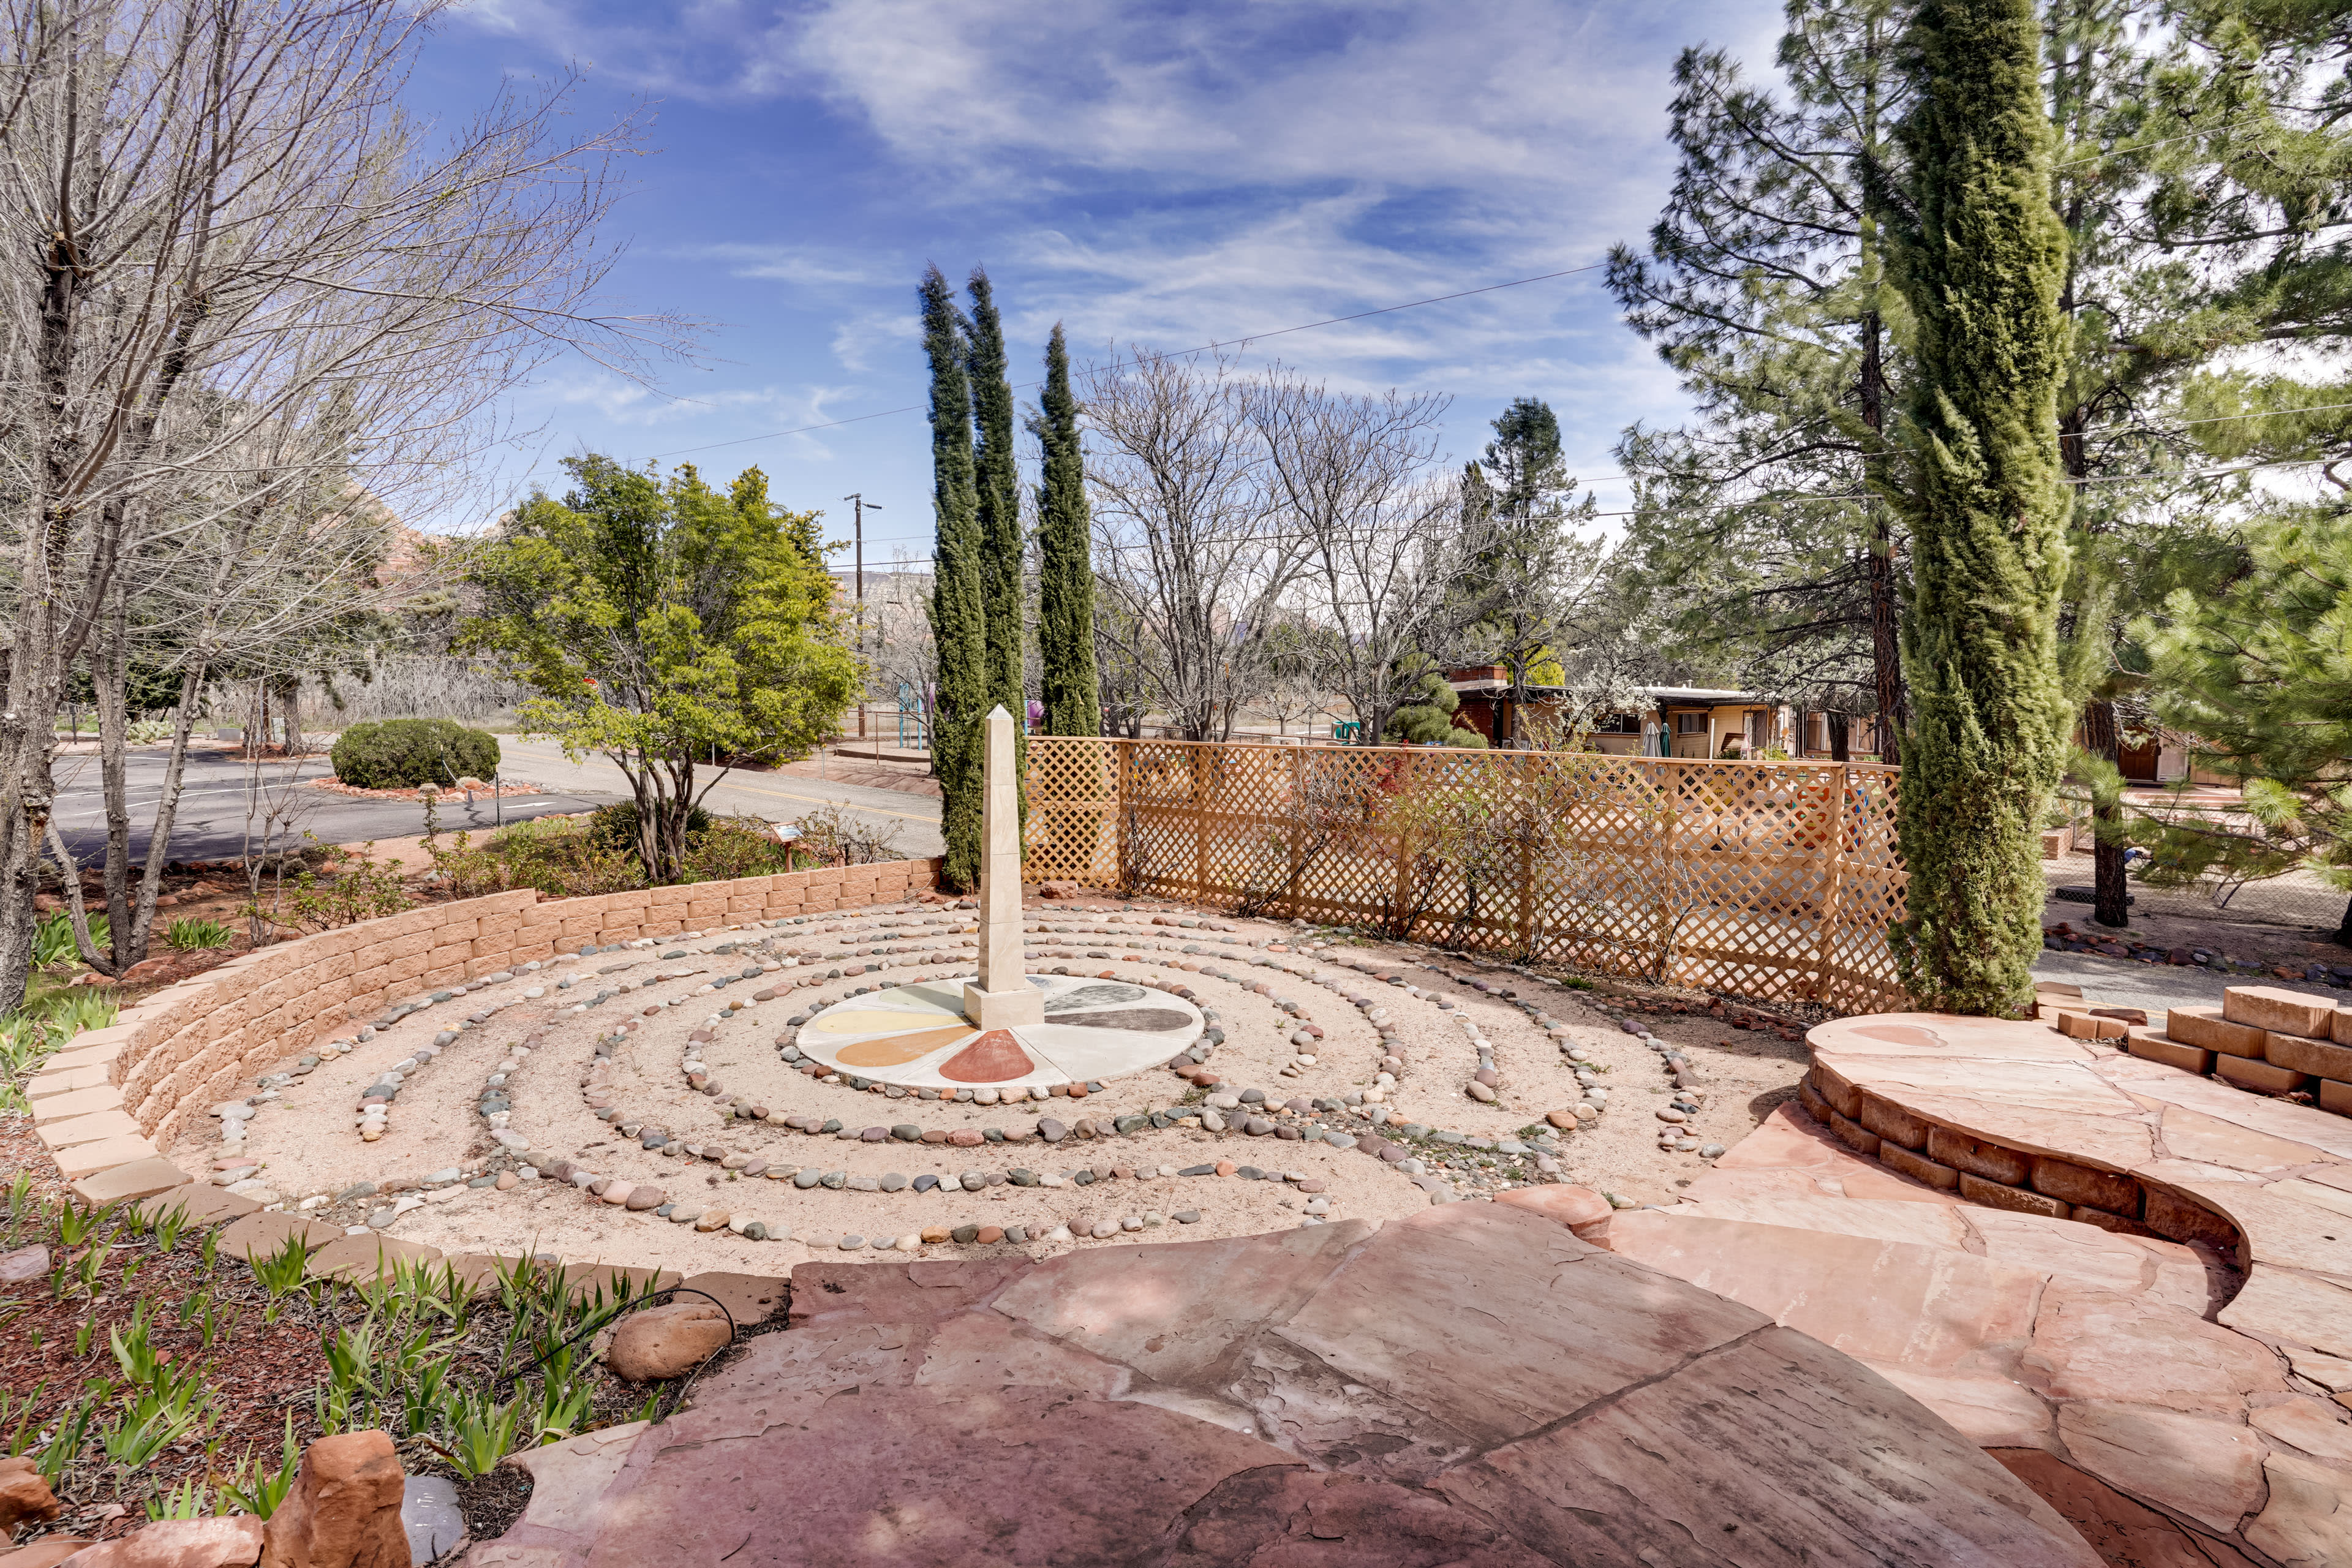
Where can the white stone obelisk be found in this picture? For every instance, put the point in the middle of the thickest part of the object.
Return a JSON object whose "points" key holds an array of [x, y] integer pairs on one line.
{"points": [[1003, 997]]}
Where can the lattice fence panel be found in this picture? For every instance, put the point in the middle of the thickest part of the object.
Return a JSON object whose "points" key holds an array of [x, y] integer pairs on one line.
{"points": [[1759, 879]]}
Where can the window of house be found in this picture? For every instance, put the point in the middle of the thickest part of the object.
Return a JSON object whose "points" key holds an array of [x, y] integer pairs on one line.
{"points": [[1690, 723], [1618, 724]]}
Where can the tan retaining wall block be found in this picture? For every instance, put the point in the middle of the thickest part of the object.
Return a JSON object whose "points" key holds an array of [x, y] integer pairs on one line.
{"points": [[1918, 1167], [2261, 1076], [1893, 1123], [2273, 1008], [2178, 1219], [2205, 1027], [1997, 1196], [2298, 1054], [2079, 1185], [2150, 1045]]}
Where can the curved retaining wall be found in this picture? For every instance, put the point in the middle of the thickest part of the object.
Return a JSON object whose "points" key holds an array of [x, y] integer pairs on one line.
{"points": [[117, 1094]]}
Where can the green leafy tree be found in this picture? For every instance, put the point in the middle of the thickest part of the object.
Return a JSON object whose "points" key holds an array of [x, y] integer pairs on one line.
{"points": [[1982, 258], [668, 627], [1066, 577], [959, 588], [2261, 673]]}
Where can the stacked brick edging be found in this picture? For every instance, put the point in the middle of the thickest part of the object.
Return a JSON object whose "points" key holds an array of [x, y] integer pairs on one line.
{"points": [[2261, 1037], [117, 1093], [1998, 1176]]}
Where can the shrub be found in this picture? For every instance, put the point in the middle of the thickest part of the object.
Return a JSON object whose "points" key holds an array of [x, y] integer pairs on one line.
{"points": [[189, 935], [734, 846], [615, 827], [401, 753], [571, 858], [829, 837]]}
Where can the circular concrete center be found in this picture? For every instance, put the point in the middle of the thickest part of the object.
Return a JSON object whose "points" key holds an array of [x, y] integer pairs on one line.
{"points": [[916, 1036]]}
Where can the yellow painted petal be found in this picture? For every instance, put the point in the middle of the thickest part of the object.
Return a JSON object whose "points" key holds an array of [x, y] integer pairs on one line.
{"points": [[893, 1051]]}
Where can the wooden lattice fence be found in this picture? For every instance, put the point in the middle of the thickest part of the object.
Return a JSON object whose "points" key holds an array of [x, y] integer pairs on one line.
{"points": [[1767, 879]]}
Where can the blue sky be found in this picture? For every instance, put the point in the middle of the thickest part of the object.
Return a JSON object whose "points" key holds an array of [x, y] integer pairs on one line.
{"points": [[1165, 175]]}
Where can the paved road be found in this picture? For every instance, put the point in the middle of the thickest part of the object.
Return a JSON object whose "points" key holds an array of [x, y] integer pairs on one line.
{"points": [[913, 820], [211, 821], [210, 824]]}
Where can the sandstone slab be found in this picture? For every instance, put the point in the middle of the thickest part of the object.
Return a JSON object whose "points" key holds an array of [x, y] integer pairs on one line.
{"points": [[122, 1179], [2306, 1521], [367, 1259], [2122, 1530], [264, 1234], [201, 1201], [179, 1543], [1474, 1386], [2201, 1467]]}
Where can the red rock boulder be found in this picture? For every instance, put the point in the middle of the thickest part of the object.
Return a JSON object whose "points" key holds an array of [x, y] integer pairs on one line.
{"points": [[1582, 1210], [23, 1495], [344, 1509], [667, 1342]]}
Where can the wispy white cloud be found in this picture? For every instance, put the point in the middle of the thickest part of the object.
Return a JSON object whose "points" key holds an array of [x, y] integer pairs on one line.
{"points": [[1166, 175], [1472, 91]]}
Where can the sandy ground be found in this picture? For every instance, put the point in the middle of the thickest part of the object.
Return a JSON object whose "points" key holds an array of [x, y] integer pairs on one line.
{"points": [[310, 1147]]}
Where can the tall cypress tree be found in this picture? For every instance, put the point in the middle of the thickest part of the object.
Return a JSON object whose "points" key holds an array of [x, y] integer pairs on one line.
{"points": [[1066, 577], [1000, 521], [1982, 258], [959, 616]]}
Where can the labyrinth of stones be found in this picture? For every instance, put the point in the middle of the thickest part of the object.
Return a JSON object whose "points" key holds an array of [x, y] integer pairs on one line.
{"points": [[814, 1082], [1985, 1292]]}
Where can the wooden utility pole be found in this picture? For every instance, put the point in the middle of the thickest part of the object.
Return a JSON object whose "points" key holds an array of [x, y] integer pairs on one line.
{"points": [[858, 501]]}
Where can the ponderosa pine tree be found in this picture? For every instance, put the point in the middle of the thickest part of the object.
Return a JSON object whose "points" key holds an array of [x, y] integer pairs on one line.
{"points": [[1764, 526], [998, 475], [2261, 673], [958, 613], [1066, 578], [1980, 257]]}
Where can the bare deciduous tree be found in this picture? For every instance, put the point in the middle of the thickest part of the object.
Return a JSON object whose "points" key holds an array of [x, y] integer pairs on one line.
{"points": [[234, 272], [1381, 527], [1193, 561]]}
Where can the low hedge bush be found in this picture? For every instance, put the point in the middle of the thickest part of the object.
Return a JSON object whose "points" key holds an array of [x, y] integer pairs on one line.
{"points": [[402, 754]]}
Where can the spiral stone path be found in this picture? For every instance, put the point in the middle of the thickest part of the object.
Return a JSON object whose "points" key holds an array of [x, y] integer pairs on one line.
{"points": [[691, 1102]]}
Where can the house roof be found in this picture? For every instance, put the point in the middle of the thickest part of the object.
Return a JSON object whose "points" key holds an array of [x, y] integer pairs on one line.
{"points": [[1692, 696]]}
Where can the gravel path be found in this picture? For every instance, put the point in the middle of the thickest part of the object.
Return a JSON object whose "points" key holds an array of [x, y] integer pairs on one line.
{"points": [[2119, 983]]}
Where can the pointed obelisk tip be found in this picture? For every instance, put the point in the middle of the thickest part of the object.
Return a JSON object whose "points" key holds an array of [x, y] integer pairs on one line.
{"points": [[998, 712]]}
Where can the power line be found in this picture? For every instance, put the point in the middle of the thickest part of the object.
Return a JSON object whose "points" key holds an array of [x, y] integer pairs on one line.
{"points": [[1863, 495], [1204, 348], [2102, 430]]}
